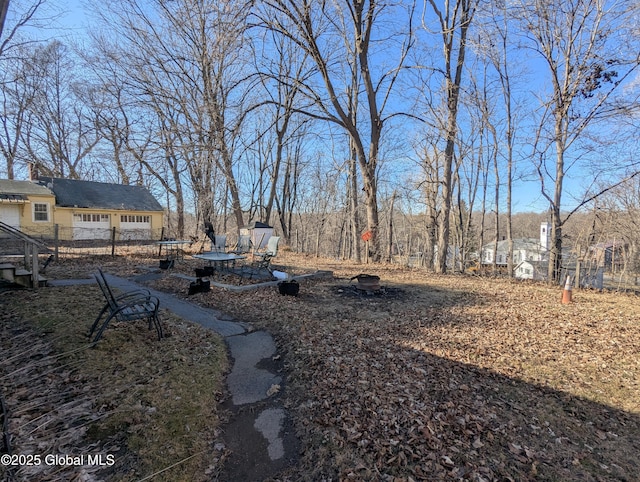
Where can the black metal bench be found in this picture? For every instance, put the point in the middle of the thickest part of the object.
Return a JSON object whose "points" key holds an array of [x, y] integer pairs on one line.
{"points": [[130, 306]]}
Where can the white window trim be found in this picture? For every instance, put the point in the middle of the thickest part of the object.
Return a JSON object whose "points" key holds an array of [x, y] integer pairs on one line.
{"points": [[137, 218], [102, 218], [33, 212]]}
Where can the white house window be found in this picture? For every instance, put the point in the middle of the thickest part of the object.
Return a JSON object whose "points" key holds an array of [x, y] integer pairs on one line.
{"points": [[41, 212], [91, 218], [130, 218]]}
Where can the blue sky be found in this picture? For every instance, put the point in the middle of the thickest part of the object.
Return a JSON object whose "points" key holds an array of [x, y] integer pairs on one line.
{"points": [[73, 22]]}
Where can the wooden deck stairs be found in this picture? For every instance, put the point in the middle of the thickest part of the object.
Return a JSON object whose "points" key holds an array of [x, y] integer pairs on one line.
{"points": [[20, 276], [27, 275]]}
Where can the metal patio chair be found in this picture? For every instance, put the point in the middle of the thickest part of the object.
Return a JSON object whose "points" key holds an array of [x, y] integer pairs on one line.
{"points": [[243, 246], [130, 306], [220, 243], [270, 251], [261, 264]]}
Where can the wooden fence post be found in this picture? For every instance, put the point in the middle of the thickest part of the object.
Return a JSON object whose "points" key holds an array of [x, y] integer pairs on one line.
{"points": [[113, 241], [27, 255], [160, 246], [35, 276], [56, 241]]}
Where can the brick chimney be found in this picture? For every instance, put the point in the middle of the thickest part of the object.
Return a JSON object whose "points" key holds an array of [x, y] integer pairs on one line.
{"points": [[34, 175]]}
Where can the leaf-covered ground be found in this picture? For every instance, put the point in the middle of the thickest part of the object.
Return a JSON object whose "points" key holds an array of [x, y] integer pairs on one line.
{"points": [[451, 377], [445, 377]]}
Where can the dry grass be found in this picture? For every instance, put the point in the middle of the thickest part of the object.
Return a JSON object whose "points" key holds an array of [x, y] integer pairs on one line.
{"points": [[150, 404]]}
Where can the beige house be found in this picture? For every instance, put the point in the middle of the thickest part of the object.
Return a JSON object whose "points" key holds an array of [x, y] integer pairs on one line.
{"points": [[80, 209], [25, 205]]}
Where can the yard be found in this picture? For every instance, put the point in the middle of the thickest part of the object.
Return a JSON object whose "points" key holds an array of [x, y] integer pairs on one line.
{"points": [[433, 378]]}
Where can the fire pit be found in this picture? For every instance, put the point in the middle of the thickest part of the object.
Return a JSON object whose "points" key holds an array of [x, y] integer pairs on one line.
{"points": [[368, 288], [367, 282]]}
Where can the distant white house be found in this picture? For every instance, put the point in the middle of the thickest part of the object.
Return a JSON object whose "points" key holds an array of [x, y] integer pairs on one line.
{"points": [[530, 255], [524, 249], [535, 270]]}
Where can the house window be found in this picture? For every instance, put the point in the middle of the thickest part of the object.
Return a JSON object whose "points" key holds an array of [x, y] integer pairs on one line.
{"points": [[91, 218], [41, 212], [130, 218]]}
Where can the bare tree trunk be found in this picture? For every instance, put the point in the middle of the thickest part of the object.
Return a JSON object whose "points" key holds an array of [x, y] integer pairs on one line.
{"points": [[353, 205], [291, 64], [390, 245], [496, 202], [304, 22], [496, 238], [454, 24]]}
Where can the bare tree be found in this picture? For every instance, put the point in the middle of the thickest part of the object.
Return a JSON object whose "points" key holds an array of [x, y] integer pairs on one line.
{"points": [[338, 37], [624, 204], [282, 74], [25, 15], [60, 131], [287, 200], [494, 44], [482, 103], [453, 20], [17, 84], [352, 196], [590, 57], [467, 180], [19, 89], [431, 163], [185, 60]]}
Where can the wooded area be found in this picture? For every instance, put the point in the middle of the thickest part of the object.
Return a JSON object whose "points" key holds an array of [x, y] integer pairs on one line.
{"points": [[426, 125]]}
